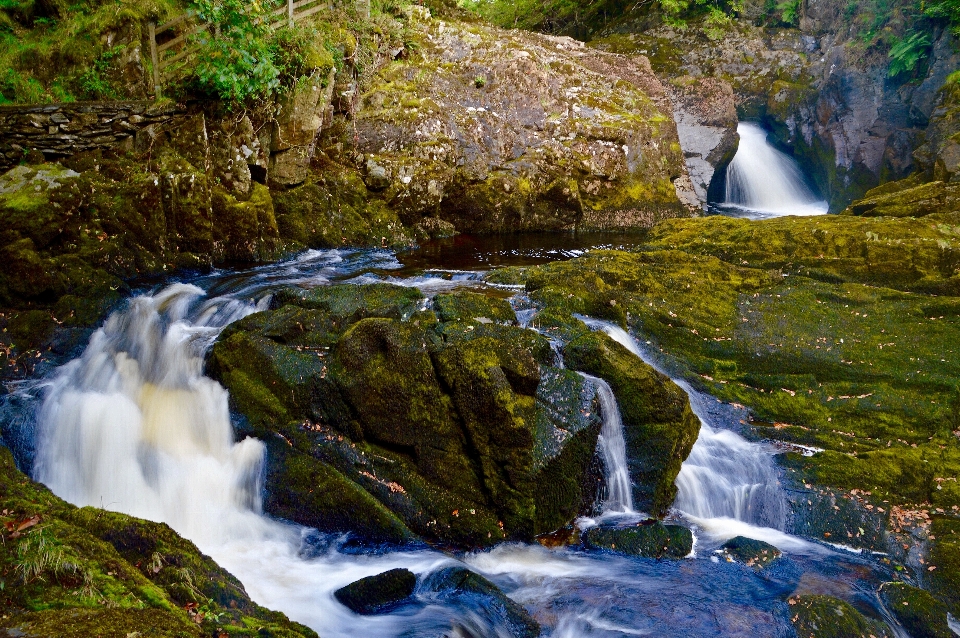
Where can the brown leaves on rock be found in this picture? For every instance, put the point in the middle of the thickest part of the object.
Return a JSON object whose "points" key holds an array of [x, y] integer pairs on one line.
{"points": [[16, 527]]}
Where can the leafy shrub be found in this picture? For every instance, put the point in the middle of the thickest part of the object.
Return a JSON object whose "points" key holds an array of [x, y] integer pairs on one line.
{"points": [[94, 82], [234, 63]]}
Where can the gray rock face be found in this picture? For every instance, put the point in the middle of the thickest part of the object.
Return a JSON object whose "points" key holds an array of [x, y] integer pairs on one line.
{"points": [[706, 118], [836, 109], [292, 133], [497, 131]]}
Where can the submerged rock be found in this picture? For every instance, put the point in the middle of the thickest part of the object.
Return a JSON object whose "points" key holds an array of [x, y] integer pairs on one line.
{"points": [[377, 594], [751, 552], [650, 539], [487, 598]]}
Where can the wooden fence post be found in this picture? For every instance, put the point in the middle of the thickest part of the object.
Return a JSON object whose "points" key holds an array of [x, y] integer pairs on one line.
{"points": [[290, 12], [154, 58]]}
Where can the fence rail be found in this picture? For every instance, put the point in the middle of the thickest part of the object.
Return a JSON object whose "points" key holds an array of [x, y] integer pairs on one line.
{"points": [[164, 56]]}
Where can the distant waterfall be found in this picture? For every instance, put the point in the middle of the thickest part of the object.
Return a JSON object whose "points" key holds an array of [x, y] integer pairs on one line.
{"points": [[613, 447], [760, 178]]}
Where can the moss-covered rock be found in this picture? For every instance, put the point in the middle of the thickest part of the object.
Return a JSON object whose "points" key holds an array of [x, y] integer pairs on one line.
{"points": [[377, 594], [919, 612], [659, 426], [827, 617], [944, 580], [335, 208], [68, 571], [496, 131], [650, 539], [908, 198], [750, 552], [430, 422]]}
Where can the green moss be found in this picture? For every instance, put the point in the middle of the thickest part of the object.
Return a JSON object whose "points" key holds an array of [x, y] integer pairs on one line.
{"points": [[750, 552], [945, 555], [85, 571], [468, 306], [920, 613], [651, 539], [826, 617], [659, 427]]}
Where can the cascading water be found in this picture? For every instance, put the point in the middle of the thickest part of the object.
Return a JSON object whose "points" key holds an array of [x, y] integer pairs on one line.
{"points": [[133, 425], [728, 486], [613, 448], [764, 182]]}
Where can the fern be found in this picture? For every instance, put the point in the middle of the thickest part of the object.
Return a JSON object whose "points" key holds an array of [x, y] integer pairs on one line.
{"points": [[907, 52]]}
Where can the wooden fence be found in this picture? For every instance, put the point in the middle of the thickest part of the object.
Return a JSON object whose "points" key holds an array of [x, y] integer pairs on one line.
{"points": [[179, 47]]}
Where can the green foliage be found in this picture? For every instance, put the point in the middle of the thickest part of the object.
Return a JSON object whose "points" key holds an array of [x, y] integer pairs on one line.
{"points": [[789, 11], [907, 52], [234, 63], [94, 83], [948, 10]]}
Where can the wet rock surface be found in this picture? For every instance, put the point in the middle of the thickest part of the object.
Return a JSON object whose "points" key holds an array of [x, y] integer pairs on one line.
{"points": [[650, 539], [750, 552], [448, 423], [378, 594], [463, 584]]}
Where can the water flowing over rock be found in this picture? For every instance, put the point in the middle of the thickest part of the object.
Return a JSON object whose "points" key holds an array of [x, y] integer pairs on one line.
{"points": [[760, 178], [452, 421]]}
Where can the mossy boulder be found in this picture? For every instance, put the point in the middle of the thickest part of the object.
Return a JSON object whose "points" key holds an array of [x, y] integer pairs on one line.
{"points": [[659, 426], [432, 422], [827, 617], [650, 539], [458, 583], [377, 594], [944, 580], [334, 207], [917, 610], [751, 552], [495, 131], [70, 571]]}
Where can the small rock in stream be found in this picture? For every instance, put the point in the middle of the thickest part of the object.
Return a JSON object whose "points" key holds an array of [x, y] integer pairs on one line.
{"points": [[377, 594]]}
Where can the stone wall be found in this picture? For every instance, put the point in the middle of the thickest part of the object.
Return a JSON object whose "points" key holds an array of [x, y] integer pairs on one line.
{"points": [[61, 130]]}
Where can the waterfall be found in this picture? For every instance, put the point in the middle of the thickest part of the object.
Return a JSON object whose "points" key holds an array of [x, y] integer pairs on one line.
{"points": [[762, 179], [613, 448], [134, 426], [727, 484]]}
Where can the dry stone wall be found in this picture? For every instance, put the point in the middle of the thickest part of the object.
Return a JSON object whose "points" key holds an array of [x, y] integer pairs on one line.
{"points": [[61, 130]]}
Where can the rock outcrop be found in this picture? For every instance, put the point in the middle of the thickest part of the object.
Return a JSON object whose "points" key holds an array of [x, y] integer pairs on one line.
{"points": [[495, 131], [448, 423], [833, 106], [72, 571]]}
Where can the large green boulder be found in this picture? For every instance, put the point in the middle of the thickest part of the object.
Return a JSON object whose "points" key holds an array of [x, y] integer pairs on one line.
{"points": [[659, 427], [430, 422]]}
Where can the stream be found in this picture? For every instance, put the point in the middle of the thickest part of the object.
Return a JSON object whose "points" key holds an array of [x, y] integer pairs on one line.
{"points": [[133, 425]]}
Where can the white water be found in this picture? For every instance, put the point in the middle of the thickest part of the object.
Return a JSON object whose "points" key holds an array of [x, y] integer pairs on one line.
{"points": [[134, 426], [613, 448], [760, 178], [727, 486]]}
